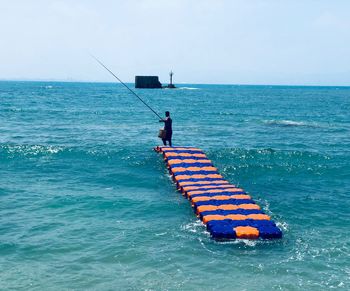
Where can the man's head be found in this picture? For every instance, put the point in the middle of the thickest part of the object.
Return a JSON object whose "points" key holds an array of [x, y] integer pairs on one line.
{"points": [[167, 113]]}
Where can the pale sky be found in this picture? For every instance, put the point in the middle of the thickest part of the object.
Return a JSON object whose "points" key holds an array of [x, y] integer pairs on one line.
{"points": [[304, 42]]}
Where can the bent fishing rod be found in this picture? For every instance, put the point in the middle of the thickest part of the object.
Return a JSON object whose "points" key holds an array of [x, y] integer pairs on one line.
{"points": [[127, 87]]}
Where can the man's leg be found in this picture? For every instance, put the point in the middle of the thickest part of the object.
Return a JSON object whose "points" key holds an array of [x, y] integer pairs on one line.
{"points": [[169, 138], [164, 141]]}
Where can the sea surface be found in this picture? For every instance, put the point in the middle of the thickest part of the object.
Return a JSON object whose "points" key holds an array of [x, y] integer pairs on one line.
{"points": [[86, 204]]}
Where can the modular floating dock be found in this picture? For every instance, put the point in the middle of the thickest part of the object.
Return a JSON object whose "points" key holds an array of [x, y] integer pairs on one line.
{"points": [[227, 211]]}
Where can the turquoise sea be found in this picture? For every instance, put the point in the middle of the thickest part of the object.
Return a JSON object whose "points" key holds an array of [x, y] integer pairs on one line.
{"points": [[85, 204]]}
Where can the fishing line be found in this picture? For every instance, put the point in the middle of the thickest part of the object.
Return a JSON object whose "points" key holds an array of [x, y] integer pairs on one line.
{"points": [[149, 107]]}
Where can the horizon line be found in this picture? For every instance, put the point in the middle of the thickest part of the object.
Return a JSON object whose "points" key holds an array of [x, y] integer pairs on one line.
{"points": [[179, 84]]}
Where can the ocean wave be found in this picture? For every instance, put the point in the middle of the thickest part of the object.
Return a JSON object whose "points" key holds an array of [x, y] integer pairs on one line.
{"points": [[13, 109], [29, 150], [11, 151], [289, 123], [188, 88], [193, 227], [277, 162], [263, 152], [98, 153]]}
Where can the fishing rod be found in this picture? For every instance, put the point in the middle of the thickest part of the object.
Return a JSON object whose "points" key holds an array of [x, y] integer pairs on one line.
{"points": [[149, 107]]}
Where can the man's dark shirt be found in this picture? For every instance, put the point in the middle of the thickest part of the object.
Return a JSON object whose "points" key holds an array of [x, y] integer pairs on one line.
{"points": [[168, 125]]}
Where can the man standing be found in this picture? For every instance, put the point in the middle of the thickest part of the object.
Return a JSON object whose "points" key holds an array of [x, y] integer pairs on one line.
{"points": [[167, 127]]}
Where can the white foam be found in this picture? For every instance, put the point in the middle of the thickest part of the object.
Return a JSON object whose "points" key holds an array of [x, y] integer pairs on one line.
{"points": [[188, 88], [285, 122]]}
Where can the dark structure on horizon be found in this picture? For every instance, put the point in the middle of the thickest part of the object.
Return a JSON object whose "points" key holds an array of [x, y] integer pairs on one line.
{"points": [[149, 82], [152, 82]]}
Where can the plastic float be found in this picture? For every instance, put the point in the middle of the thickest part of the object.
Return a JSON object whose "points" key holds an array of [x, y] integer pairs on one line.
{"points": [[227, 211]]}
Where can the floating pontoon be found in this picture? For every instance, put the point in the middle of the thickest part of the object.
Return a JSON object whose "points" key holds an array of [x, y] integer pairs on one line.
{"points": [[227, 211]]}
